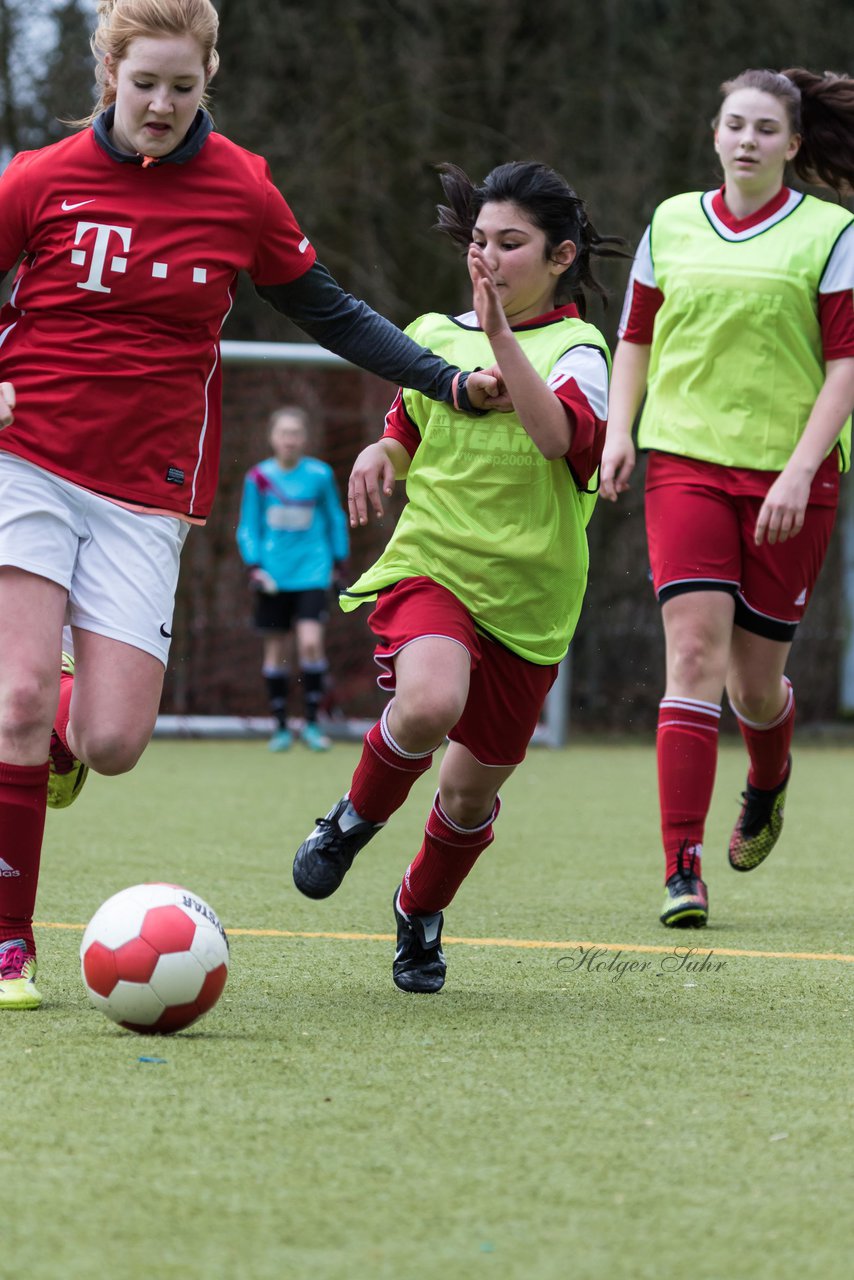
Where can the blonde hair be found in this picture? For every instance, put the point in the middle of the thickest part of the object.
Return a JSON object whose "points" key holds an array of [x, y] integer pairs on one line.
{"points": [[121, 21]]}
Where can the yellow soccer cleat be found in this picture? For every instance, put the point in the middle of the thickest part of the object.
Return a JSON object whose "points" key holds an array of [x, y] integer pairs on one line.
{"points": [[17, 977], [759, 824]]}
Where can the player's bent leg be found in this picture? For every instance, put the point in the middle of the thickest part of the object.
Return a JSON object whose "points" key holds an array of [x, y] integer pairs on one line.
{"points": [[759, 824], [468, 790], [432, 677], [458, 830], [763, 702], [67, 773], [116, 696], [389, 767]]}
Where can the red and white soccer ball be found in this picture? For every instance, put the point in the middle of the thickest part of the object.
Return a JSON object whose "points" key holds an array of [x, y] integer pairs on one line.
{"points": [[154, 958]]}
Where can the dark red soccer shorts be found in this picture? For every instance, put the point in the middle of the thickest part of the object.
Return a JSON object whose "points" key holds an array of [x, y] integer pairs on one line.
{"points": [[506, 693], [700, 521]]}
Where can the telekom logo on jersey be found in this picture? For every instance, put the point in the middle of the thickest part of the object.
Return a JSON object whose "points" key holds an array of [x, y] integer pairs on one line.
{"points": [[103, 246]]}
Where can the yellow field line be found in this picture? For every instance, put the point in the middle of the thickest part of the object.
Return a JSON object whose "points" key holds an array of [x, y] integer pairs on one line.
{"points": [[525, 944]]}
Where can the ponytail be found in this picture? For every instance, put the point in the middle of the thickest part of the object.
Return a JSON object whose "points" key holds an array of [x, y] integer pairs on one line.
{"points": [[826, 153]]}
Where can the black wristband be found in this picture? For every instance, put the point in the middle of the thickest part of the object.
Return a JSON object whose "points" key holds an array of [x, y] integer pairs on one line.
{"points": [[463, 400]]}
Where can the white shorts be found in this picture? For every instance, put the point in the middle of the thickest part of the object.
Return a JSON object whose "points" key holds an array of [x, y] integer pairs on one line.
{"points": [[120, 568]]}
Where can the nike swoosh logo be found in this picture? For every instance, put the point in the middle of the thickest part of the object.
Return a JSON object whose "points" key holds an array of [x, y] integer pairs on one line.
{"points": [[66, 207], [167, 635]]}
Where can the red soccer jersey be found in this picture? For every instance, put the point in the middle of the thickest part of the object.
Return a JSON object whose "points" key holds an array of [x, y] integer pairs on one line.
{"points": [[111, 336]]}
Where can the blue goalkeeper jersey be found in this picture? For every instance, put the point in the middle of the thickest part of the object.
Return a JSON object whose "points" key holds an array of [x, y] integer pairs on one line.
{"points": [[292, 523]]}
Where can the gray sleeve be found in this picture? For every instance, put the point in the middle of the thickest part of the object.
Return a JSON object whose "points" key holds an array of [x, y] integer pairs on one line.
{"points": [[350, 328]]}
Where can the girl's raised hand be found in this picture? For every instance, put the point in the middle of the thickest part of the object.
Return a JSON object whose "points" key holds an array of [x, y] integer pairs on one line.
{"points": [[371, 477], [7, 404], [487, 304]]}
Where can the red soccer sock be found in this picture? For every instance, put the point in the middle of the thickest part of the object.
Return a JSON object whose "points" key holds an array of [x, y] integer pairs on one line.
{"points": [[23, 803], [768, 745], [385, 775], [444, 860], [687, 759]]}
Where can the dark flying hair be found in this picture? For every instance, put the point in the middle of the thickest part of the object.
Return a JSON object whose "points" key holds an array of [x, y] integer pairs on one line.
{"points": [[548, 201]]}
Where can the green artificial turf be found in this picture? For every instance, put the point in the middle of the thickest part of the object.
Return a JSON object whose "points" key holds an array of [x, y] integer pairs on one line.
{"points": [[545, 1116]]}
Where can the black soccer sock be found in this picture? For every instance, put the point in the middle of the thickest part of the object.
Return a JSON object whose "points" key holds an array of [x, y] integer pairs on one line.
{"points": [[278, 683], [313, 682]]}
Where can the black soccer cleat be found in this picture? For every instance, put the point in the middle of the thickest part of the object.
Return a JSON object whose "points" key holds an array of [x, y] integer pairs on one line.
{"points": [[419, 963], [759, 824], [324, 858]]}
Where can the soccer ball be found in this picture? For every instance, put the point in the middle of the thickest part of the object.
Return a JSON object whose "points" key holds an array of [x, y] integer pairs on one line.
{"points": [[154, 958]]}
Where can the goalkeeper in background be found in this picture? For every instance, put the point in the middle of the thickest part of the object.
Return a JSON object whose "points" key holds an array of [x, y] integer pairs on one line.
{"points": [[293, 538]]}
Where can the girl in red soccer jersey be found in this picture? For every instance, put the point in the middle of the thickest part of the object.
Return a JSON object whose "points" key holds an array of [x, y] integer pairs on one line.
{"points": [[132, 234], [480, 587], [739, 327]]}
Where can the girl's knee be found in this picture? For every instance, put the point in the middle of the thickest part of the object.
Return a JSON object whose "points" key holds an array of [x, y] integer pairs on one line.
{"points": [[693, 660], [757, 704], [427, 713], [109, 752], [27, 709], [311, 655], [467, 805]]}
